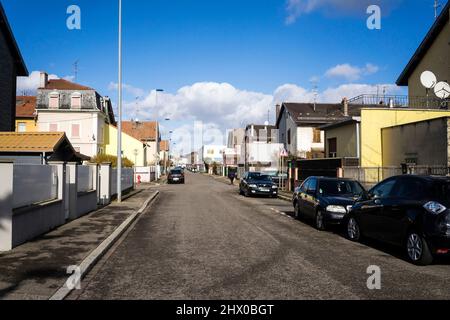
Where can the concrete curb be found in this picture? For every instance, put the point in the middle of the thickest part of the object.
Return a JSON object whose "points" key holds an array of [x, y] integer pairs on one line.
{"points": [[103, 248]]}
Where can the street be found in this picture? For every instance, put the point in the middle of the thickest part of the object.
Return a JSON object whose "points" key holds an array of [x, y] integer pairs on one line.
{"points": [[204, 241]]}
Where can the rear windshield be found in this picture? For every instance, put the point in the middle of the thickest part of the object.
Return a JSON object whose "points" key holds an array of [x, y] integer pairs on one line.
{"points": [[176, 172], [340, 187]]}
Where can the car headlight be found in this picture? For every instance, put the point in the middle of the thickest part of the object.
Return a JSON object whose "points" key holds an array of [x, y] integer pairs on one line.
{"points": [[252, 186], [274, 187], [434, 207], [336, 209]]}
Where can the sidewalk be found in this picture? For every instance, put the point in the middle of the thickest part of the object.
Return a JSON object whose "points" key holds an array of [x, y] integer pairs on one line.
{"points": [[37, 269]]}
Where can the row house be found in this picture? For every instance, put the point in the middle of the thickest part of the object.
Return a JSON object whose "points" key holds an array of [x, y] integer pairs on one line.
{"points": [[299, 126], [26, 115], [261, 151], [11, 66], [148, 133], [80, 111]]}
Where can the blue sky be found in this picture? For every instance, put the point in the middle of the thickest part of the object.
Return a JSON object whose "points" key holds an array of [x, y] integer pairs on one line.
{"points": [[242, 48]]}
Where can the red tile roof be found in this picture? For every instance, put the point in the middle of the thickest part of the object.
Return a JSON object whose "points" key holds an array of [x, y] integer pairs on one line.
{"points": [[61, 84], [25, 107], [164, 145], [143, 131]]}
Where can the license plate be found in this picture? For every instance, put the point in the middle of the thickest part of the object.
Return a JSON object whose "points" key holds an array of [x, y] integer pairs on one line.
{"points": [[265, 190], [176, 179]]}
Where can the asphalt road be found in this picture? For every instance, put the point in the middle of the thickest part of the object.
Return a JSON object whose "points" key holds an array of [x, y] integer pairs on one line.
{"points": [[204, 241]]}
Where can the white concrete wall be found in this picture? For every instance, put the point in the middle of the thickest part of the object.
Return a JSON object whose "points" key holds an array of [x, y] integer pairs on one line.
{"points": [[36, 199]]}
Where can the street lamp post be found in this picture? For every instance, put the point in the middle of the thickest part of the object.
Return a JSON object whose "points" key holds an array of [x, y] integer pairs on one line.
{"points": [[119, 126]]}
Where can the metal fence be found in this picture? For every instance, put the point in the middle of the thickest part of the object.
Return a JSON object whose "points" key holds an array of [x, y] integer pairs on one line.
{"points": [[400, 101], [34, 184], [85, 178], [370, 176]]}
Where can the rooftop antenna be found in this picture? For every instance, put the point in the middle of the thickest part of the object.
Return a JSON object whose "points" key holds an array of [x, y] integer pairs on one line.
{"points": [[315, 92], [75, 70], [137, 111], [436, 6]]}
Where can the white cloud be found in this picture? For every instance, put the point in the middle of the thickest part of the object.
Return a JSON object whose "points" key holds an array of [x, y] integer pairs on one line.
{"points": [[221, 106], [296, 8], [28, 85], [225, 106], [351, 73], [136, 92]]}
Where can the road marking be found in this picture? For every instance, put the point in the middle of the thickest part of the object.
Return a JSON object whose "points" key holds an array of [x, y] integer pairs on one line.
{"points": [[103, 248], [281, 213]]}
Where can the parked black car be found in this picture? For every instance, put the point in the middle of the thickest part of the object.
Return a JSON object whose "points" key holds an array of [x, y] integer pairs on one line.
{"points": [[409, 211], [176, 176], [257, 184], [326, 200]]}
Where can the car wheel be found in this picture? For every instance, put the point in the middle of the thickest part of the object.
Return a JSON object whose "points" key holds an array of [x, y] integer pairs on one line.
{"points": [[320, 221], [241, 193], [353, 230], [247, 193], [297, 213], [417, 249]]}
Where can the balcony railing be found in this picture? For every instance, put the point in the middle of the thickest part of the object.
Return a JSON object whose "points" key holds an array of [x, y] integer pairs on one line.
{"points": [[400, 101]]}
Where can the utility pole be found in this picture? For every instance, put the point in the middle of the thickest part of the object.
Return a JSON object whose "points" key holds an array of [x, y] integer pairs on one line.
{"points": [[119, 125]]}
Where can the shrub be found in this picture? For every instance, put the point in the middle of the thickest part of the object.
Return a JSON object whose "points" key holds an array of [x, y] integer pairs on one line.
{"points": [[105, 158]]}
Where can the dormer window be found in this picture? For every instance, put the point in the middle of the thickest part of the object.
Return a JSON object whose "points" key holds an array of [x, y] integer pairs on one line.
{"points": [[53, 100], [76, 100]]}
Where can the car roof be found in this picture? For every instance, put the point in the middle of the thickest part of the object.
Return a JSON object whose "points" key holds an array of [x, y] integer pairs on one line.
{"points": [[331, 179], [426, 178]]}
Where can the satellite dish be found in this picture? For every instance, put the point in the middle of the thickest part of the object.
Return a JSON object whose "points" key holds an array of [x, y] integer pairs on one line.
{"points": [[442, 90], [428, 79]]}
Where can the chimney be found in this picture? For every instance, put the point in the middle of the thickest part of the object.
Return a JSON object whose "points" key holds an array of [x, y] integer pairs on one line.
{"points": [[43, 80], [278, 108], [345, 103]]}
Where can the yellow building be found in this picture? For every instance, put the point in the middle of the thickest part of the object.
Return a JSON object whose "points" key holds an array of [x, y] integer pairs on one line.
{"points": [[361, 137], [26, 120], [132, 148], [374, 120]]}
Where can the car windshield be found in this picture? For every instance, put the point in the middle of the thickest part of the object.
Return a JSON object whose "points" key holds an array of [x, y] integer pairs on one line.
{"points": [[261, 178], [253, 175], [340, 187], [175, 172]]}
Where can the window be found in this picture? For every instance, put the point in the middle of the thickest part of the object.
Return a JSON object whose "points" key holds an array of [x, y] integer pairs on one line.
{"points": [[384, 189], [53, 100], [410, 188], [53, 127], [77, 149], [21, 127], [75, 131], [317, 136], [312, 185], [76, 100], [289, 137], [332, 148]]}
